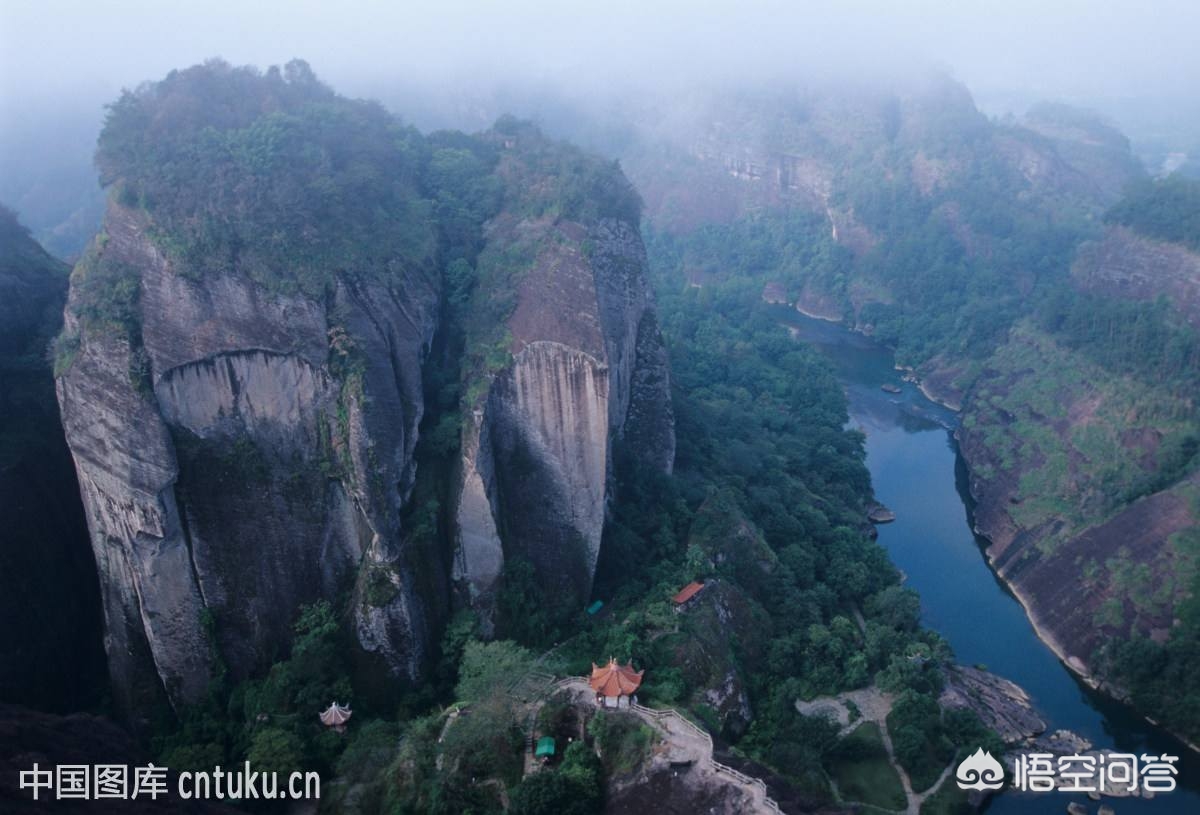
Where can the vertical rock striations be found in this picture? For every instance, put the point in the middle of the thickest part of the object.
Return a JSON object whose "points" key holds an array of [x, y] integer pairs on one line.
{"points": [[231, 473], [585, 366], [242, 368]]}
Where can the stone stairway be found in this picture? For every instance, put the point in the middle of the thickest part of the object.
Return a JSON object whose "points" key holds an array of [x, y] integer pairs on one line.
{"points": [[697, 744]]}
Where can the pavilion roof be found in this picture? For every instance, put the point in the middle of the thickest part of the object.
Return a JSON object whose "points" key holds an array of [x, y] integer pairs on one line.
{"points": [[615, 679], [335, 715]]}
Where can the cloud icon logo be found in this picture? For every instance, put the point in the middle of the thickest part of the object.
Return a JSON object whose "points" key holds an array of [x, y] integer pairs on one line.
{"points": [[979, 771]]}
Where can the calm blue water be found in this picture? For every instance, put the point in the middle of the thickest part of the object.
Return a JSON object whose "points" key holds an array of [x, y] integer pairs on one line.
{"points": [[916, 471]]}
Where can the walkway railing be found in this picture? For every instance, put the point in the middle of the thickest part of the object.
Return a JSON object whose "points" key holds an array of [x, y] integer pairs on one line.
{"points": [[547, 682], [724, 769]]}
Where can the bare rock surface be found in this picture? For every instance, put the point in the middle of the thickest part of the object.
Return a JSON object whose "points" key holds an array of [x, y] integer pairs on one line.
{"points": [[587, 367], [240, 478], [1002, 705]]}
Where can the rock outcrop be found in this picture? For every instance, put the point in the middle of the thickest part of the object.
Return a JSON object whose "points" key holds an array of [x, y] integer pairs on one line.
{"points": [[1128, 266], [587, 367], [242, 378], [234, 477], [1003, 706]]}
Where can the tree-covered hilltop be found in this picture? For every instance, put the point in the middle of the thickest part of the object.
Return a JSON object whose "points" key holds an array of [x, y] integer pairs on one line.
{"points": [[1163, 208], [276, 176], [272, 175]]}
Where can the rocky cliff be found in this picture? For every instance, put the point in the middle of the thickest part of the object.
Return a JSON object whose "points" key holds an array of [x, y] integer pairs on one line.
{"points": [[234, 476], [244, 364], [584, 366]]}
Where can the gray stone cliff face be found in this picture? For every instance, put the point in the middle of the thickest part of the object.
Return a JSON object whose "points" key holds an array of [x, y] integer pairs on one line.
{"points": [[245, 452], [588, 367], [243, 477]]}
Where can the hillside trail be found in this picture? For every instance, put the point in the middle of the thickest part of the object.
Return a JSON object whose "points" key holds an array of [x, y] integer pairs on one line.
{"points": [[873, 705], [684, 742]]}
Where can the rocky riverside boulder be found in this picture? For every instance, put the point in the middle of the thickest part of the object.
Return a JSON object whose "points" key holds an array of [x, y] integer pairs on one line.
{"points": [[1003, 706]]}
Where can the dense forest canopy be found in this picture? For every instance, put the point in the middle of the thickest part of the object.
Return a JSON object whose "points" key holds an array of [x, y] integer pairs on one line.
{"points": [[270, 174], [1164, 208]]}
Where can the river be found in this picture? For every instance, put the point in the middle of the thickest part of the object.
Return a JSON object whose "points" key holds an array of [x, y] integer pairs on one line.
{"points": [[917, 472]]}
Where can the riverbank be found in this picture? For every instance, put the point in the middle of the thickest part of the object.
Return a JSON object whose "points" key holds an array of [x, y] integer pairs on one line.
{"points": [[917, 471], [937, 385], [995, 549], [996, 544]]}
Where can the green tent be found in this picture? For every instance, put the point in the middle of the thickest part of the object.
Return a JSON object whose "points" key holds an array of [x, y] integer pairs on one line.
{"points": [[596, 606], [545, 747]]}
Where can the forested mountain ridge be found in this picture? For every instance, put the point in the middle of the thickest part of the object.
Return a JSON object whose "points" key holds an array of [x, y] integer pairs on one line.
{"points": [[943, 222], [1015, 268], [288, 287], [1082, 435]]}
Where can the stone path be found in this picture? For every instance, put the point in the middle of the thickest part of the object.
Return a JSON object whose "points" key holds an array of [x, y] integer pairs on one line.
{"points": [[874, 705], [685, 742]]}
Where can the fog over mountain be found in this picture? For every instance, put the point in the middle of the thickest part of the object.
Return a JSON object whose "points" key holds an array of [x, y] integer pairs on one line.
{"points": [[720, 406], [1074, 50], [460, 64]]}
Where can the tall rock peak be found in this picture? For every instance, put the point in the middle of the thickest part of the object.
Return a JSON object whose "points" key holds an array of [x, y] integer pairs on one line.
{"points": [[244, 364], [585, 367]]}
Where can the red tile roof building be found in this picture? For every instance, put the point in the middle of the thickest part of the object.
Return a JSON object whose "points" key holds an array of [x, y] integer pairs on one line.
{"points": [[687, 592], [615, 684]]}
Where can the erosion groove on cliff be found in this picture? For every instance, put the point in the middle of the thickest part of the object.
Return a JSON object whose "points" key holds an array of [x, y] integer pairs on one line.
{"points": [[245, 384]]}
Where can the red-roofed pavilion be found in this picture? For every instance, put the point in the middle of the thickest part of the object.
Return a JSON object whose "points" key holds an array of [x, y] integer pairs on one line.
{"points": [[615, 684], [336, 717]]}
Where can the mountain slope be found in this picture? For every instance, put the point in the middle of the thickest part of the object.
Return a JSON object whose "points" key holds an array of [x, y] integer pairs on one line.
{"points": [[1001, 261]]}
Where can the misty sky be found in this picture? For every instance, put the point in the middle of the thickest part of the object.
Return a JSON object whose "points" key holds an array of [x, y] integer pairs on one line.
{"points": [[1070, 49]]}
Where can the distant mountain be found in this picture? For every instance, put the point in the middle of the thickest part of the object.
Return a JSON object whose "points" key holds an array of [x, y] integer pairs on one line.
{"points": [[1031, 274]]}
